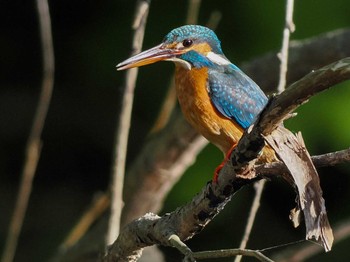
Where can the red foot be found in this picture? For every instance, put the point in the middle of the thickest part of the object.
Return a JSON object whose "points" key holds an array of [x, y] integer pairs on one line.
{"points": [[219, 167], [217, 171]]}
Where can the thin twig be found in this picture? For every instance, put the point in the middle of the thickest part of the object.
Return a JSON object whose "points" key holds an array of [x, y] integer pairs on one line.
{"points": [[259, 187], [176, 242], [283, 55], [308, 250], [230, 253], [193, 11], [101, 203], [214, 19], [122, 133], [33, 147]]}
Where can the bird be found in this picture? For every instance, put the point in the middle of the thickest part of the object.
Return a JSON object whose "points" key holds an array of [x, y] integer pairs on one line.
{"points": [[220, 101], [215, 96]]}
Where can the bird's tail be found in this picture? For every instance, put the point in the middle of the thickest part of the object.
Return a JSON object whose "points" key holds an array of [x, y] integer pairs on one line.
{"points": [[291, 150]]}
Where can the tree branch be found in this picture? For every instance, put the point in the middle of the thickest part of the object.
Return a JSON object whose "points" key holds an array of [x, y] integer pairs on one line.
{"points": [[329, 159]]}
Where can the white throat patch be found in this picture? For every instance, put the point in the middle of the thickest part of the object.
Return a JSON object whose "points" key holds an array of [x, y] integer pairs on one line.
{"points": [[181, 62]]}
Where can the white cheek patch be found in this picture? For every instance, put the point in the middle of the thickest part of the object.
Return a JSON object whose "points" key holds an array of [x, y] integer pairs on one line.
{"points": [[217, 59], [181, 62]]}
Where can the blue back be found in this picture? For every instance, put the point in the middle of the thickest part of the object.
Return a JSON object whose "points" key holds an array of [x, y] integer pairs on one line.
{"points": [[235, 95]]}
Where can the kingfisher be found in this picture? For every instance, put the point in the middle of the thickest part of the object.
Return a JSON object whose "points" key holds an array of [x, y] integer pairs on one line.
{"points": [[216, 97], [220, 102]]}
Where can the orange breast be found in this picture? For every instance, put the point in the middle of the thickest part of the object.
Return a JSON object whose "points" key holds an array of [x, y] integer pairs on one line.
{"points": [[195, 103]]}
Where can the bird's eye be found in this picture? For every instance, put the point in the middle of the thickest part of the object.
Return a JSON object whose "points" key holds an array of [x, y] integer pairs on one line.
{"points": [[187, 42]]}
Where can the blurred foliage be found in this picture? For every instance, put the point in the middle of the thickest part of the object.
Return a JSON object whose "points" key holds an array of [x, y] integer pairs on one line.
{"points": [[90, 38]]}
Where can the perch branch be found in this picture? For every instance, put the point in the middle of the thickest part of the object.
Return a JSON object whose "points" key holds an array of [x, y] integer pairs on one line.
{"points": [[191, 218]]}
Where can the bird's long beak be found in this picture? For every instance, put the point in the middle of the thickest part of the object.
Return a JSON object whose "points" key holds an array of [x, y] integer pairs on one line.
{"points": [[155, 54]]}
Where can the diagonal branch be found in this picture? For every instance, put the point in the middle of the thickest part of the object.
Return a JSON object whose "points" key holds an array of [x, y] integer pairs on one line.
{"points": [[190, 219]]}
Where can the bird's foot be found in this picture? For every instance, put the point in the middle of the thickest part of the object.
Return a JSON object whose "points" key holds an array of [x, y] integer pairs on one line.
{"points": [[219, 167], [217, 171]]}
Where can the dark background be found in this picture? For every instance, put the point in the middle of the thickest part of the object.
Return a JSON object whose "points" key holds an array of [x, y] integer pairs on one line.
{"points": [[90, 38]]}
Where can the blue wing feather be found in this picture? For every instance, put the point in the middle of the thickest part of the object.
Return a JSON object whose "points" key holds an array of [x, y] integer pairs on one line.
{"points": [[235, 95]]}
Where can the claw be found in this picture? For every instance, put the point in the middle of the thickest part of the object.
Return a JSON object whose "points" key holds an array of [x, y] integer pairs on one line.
{"points": [[217, 171], [219, 167]]}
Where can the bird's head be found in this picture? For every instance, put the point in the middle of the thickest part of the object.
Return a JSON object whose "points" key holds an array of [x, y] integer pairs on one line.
{"points": [[190, 46]]}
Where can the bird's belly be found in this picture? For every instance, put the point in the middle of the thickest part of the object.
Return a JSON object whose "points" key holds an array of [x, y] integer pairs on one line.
{"points": [[200, 112]]}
